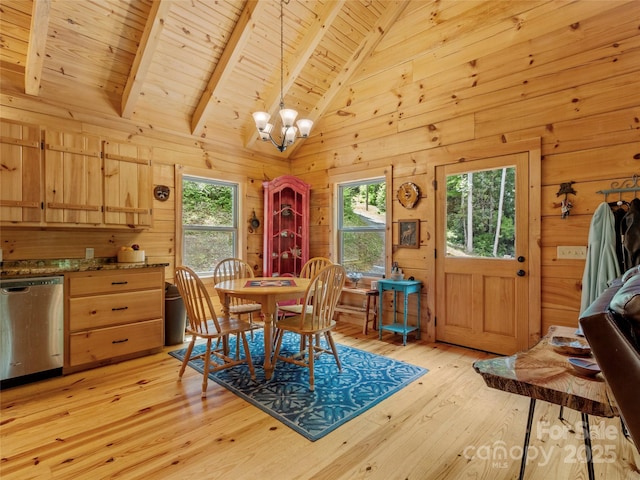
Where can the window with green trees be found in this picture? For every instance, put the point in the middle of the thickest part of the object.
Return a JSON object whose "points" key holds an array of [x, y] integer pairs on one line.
{"points": [[209, 223], [362, 226], [481, 213]]}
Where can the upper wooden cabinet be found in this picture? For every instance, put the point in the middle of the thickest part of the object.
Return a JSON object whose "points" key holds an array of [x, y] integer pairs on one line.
{"points": [[55, 178], [21, 190], [127, 185], [73, 178], [286, 225]]}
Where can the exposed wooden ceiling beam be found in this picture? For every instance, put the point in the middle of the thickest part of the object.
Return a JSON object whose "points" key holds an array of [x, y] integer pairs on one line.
{"points": [[371, 41], [144, 55], [37, 44], [304, 52], [230, 56]]}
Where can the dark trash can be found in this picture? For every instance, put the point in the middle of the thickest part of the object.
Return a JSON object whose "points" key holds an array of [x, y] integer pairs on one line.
{"points": [[175, 317]]}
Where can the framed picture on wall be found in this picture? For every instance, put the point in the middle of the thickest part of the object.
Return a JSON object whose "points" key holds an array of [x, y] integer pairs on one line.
{"points": [[409, 233]]}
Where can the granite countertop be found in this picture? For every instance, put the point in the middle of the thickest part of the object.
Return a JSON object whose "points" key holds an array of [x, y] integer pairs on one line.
{"points": [[23, 268]]}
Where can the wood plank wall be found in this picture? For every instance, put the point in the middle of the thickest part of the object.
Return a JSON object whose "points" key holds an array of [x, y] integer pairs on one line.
{"points": [[472, 75], [159, 241], [447, 73]]}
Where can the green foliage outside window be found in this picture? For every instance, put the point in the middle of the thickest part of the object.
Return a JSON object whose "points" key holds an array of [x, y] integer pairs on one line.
{"points": [[209, 223], [481, 213], [362, 227], [206, 203]]}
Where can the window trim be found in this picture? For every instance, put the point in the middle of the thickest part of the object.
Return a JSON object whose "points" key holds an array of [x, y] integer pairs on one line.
{"points": [[349, 175], [194, 172]]}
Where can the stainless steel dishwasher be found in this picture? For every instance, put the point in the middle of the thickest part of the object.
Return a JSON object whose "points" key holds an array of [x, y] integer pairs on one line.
{"points": [[31, 328]]}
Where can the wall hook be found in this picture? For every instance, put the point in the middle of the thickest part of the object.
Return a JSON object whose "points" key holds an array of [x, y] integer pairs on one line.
{"points": [[566, 205]]}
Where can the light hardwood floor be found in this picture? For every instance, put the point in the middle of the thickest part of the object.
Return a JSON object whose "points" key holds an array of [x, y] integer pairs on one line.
{"points": [[134, 420]]}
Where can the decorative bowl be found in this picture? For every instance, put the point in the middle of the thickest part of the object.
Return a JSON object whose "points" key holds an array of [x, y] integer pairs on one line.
{"points": [[354, 277], [131, 256], [584, 366], [570, 345], [397, 276]]}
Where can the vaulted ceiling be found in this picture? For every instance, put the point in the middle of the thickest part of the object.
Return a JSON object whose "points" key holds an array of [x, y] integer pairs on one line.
{"points": [[194, 68]]}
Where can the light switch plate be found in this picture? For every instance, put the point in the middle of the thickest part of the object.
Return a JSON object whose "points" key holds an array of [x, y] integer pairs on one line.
{"points": [[88, 253], [575, 252]]}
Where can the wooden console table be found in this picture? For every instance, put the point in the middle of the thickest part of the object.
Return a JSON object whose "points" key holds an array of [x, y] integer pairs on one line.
{"points": [[368, 309], [543, 374], [406, 287]]}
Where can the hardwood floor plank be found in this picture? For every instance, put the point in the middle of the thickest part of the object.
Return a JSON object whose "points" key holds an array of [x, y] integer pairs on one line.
{"points": [[135, 420]]}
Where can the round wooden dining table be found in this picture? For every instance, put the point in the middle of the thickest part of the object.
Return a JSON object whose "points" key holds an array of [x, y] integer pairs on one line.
{"points": [[267, 291]]}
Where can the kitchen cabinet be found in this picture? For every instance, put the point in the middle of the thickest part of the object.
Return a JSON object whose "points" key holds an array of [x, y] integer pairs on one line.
{"points": [[55, 178], [73, 178], [112, 315], [127, 185], [21, 183], [286, 226]]}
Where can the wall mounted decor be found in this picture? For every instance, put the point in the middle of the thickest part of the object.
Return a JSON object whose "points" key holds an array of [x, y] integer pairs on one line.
{"points": [[409, 233], [566, 205], [408, 194], [254, 222], [161, 192]]}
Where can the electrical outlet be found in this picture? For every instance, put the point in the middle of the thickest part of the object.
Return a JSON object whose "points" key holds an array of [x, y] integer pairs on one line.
{"points": [[576, 252], [88, 253]]}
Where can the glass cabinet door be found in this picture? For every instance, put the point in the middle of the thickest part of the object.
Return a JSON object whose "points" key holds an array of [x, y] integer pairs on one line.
{"points": [[286, 238]]}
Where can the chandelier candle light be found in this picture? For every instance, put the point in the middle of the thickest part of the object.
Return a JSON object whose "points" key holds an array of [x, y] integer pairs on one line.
{"points": [[288, 132]]}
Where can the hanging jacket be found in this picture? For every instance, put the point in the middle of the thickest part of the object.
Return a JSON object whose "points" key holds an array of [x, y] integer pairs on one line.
{"points": [[602, 262], [618, 214], [630, 228]]}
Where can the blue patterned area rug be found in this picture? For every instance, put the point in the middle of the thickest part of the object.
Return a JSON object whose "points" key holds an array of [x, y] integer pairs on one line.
{"points": [[366, 379]]}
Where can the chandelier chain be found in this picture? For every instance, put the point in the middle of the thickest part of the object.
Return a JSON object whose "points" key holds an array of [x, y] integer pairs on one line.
{"points": [[281, 53]]}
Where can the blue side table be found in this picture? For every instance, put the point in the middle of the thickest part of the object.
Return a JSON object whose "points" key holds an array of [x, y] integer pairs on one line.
{"points": [[407, 287]]}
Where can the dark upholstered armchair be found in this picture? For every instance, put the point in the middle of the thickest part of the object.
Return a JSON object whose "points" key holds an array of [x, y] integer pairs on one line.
{"points": [[611, 325]]}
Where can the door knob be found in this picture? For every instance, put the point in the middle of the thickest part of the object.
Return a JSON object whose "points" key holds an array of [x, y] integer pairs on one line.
{"points": [[521, 273]]}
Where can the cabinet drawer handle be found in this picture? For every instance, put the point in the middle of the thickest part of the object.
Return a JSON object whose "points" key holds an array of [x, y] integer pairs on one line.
{"points": [[120, 341], [119, 308], [119, 283]]}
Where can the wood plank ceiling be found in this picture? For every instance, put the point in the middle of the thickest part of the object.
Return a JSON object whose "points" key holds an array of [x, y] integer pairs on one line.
{"points": [[188, 67]]}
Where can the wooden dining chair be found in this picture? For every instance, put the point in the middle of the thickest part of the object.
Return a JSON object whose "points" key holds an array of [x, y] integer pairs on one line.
{"points": [[205, 324], [232, 268], [309, 270], [314, 321]]}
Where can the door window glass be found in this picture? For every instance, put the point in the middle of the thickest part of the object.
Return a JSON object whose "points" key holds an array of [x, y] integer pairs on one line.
{"points": [[481, 213]]}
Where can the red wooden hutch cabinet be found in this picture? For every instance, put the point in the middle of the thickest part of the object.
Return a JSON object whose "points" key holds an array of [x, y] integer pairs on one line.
{"points": [[286, 226]]}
